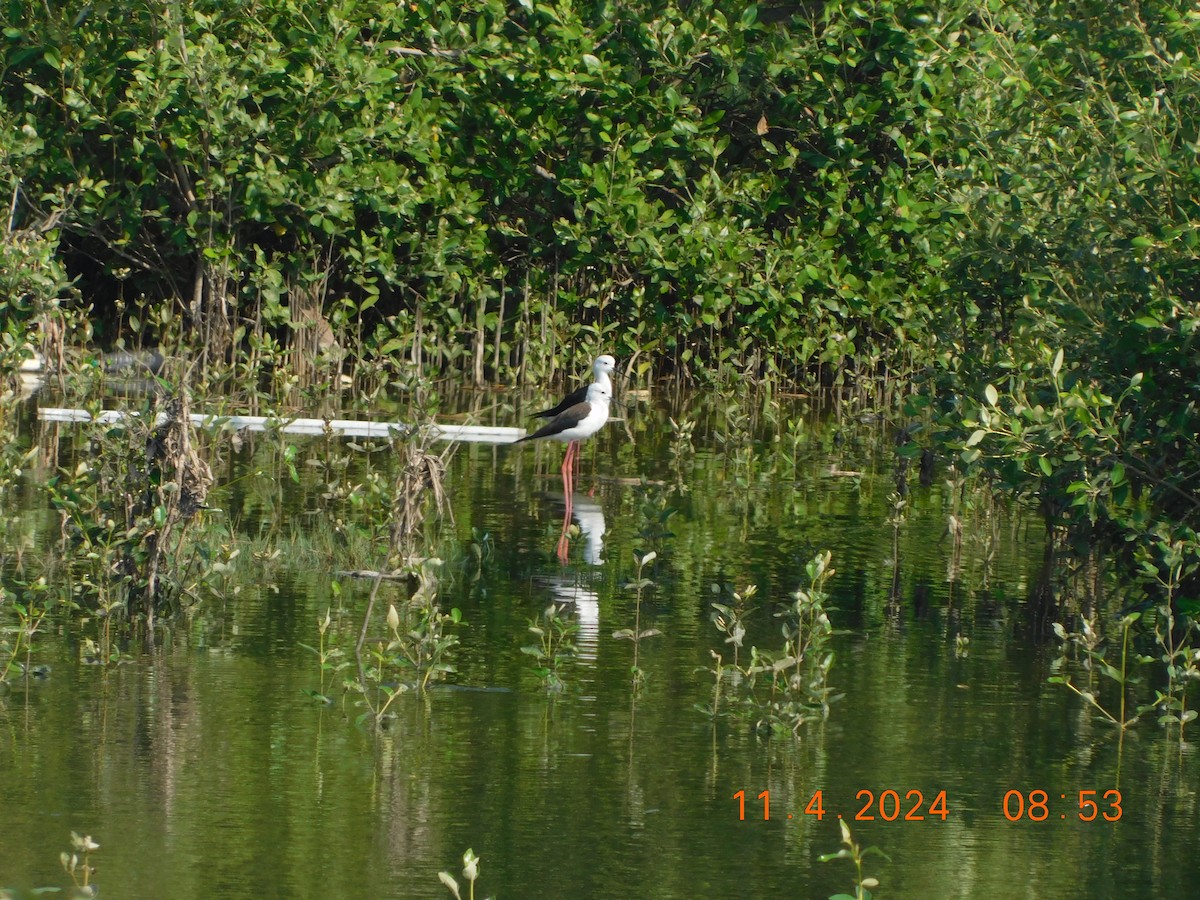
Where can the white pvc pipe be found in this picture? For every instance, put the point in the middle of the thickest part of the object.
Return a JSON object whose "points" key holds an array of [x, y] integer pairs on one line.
{"points": [[486, 434]]}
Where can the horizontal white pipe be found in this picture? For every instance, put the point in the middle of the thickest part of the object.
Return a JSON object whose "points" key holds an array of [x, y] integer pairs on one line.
{"points": [[486, 434]]}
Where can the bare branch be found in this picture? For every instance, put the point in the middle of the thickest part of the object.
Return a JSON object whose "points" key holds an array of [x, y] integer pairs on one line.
{"points": [[413, 51]]}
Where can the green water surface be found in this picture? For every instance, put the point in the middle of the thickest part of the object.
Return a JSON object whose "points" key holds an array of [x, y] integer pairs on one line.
{"points": [[204, 767]]}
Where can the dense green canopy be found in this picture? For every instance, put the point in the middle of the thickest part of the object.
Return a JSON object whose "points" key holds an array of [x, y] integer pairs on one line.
{"points": [[996, 201]]}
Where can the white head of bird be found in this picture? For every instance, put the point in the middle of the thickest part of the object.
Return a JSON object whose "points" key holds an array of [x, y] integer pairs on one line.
{"points": [[599, 393], [603, 367]]}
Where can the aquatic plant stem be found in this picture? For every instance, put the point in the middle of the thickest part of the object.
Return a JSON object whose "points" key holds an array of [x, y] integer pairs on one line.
{"points": [[362, 637], [1125, 658]]}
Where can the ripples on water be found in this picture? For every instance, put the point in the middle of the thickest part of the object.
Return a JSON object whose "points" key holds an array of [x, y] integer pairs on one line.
{"points": [[203, 769]]}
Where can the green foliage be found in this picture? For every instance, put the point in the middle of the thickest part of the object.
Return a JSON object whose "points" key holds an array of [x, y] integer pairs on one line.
{"points": [[801, 193], [329, 656], [129, 513], [1090, 643], [493, 181], [783, 192], [1068, 370], [637, 633], [857, 854], [555, 645], [32, 281], [1173, 631], [780, 690], [470, 873], [27, 613], [33, 278], [419, 644], [997, 201]]}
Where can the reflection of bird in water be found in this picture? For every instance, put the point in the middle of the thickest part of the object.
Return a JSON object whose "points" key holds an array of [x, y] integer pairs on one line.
{"points": [[571, 589], [587, 611], [590, 517]]}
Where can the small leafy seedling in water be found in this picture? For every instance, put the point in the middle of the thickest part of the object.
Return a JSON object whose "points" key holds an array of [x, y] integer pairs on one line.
{"points": [[80, 870], [325, 656], [470, 872], [636, 633], [796, 677], [1090, 643], [853, 851], [556, 643], [731, 619]]}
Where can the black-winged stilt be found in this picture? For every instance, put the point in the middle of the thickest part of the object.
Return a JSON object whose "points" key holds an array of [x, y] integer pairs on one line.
{"points": [[574, 424], [603, 367]]}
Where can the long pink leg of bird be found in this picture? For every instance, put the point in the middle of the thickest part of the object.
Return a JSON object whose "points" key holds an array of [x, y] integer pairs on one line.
{"points": [[568, 474], [568, 489]]}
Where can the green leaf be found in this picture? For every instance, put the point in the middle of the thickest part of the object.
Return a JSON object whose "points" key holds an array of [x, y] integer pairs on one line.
{"points": [[991, 394], [1045, 466]]}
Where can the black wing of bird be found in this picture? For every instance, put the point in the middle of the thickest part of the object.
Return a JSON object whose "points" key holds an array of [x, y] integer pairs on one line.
{"points": [[568, 418], [576, 396]]}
